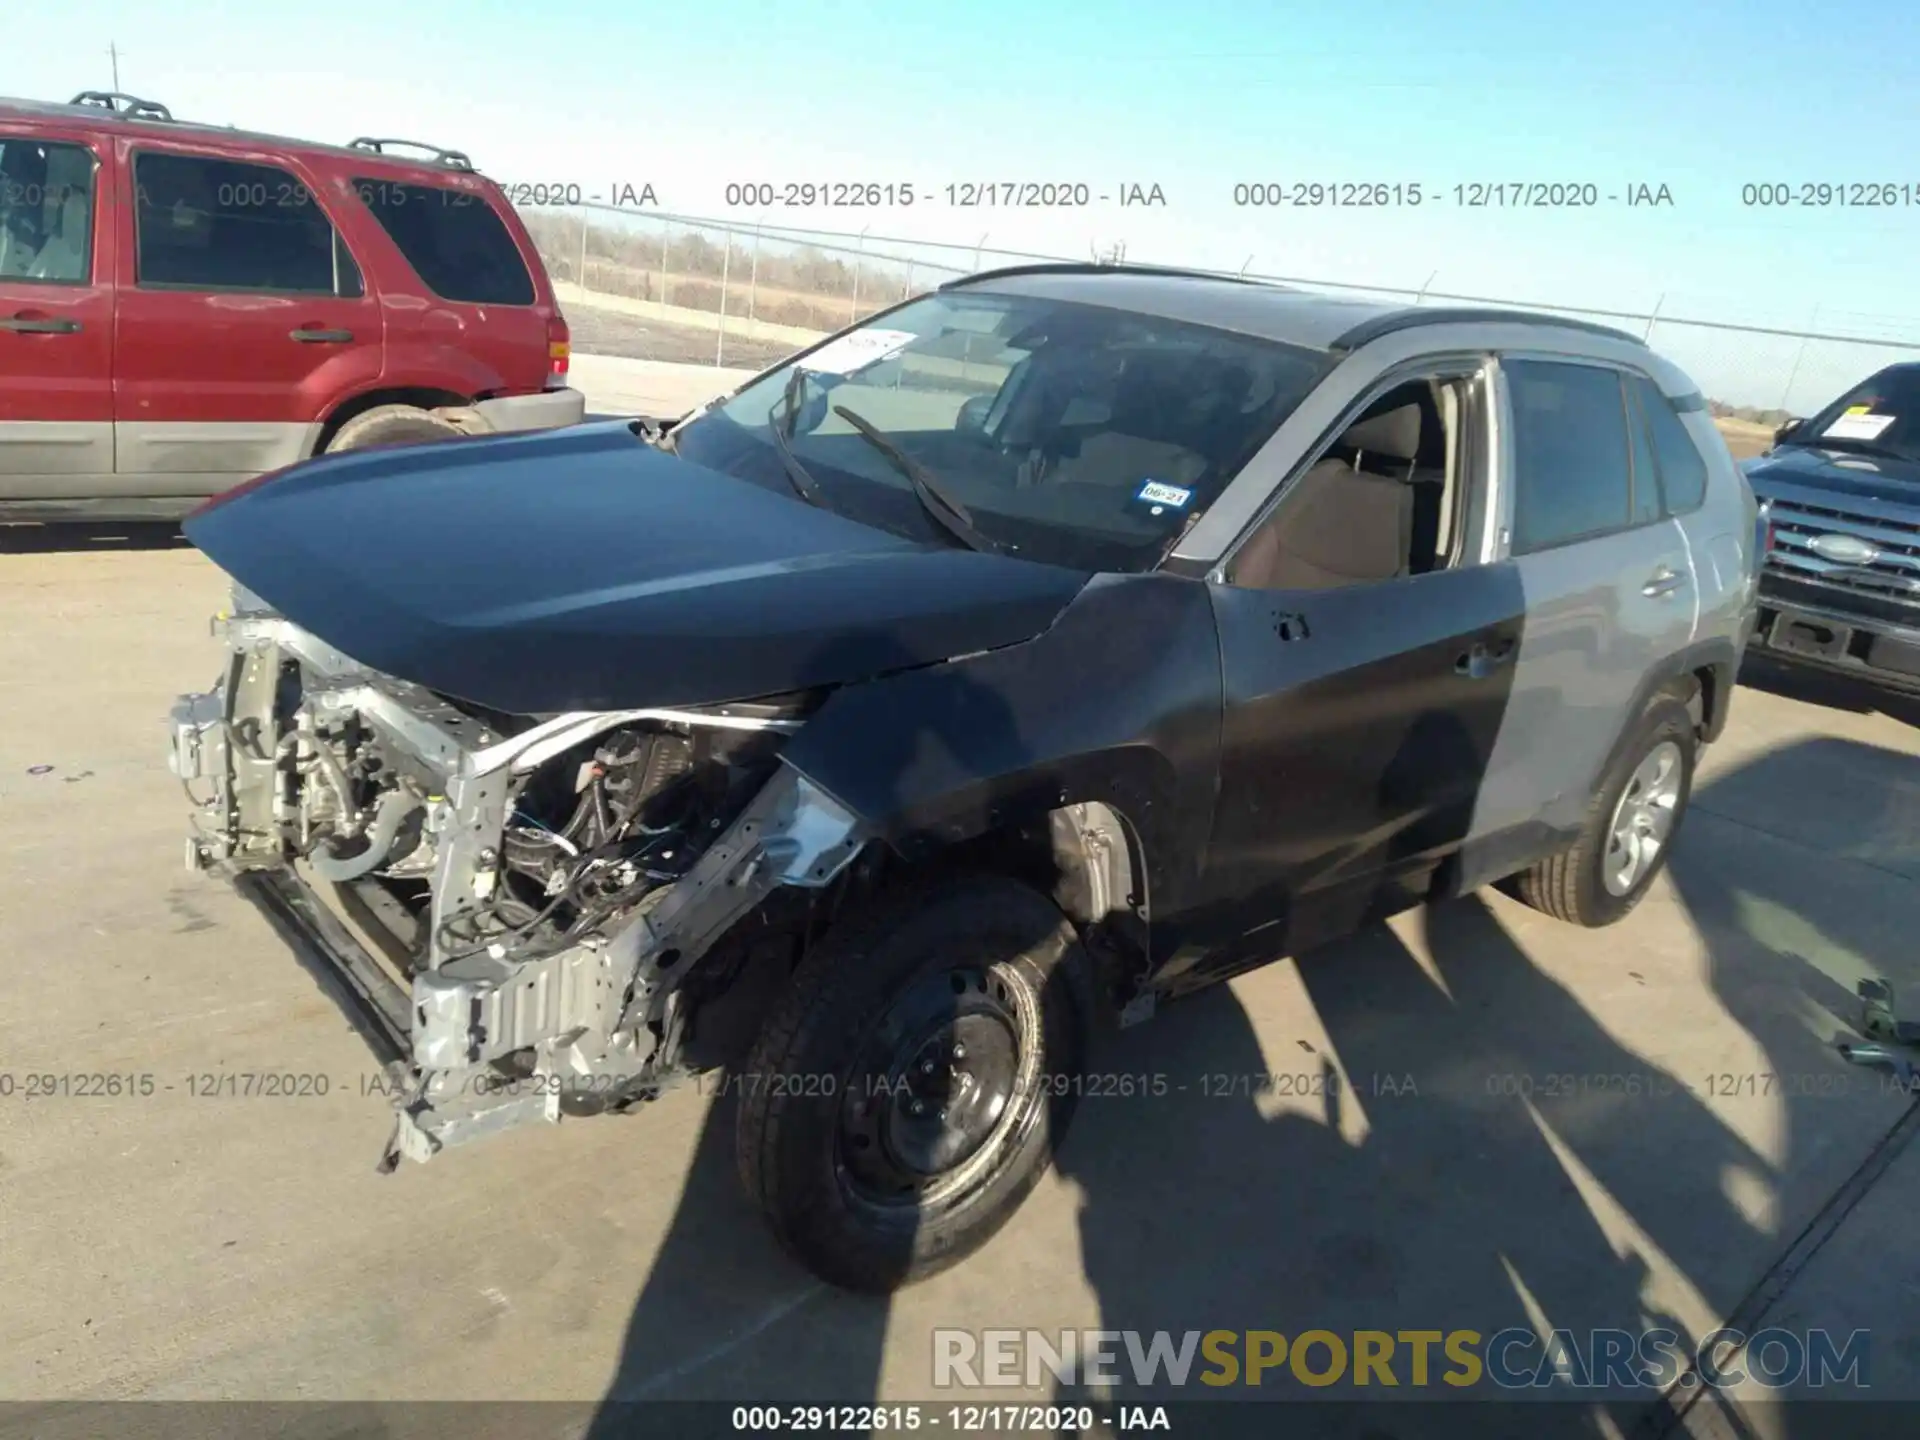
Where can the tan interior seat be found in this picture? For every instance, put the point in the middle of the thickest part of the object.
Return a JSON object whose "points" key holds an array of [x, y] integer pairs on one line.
{"points": [[1340, 525]]}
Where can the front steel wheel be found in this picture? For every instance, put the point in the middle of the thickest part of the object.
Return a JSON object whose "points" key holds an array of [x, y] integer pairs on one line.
{"points": [[910, 1087], [945, 1083]]}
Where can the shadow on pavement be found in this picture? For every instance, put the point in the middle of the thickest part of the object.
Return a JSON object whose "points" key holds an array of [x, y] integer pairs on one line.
{"points": [[1475, 1150], [1824, 688], [34, 539]]}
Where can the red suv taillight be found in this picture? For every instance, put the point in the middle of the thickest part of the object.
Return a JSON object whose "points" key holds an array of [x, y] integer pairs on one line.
{"points": [[559, 348]]}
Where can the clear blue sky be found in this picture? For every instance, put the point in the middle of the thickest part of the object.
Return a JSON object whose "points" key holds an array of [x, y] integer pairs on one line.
{"points": [[1701, 95]]}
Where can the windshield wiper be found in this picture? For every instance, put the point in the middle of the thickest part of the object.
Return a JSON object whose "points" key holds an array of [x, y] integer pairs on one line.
{"points": [[804, 485], [952, 516], [791, 397]]}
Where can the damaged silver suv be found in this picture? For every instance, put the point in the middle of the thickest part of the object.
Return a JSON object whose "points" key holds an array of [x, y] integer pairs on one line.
{"points": [[1048, 646]]}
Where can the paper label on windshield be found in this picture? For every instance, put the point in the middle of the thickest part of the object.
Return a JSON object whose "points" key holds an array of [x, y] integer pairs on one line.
{"points": [[1857, 424], [1158, 492], [857, 351]]}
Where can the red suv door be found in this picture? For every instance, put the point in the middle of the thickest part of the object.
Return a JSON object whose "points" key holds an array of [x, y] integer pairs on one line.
{"points": [[56, 313], [242, 316]]}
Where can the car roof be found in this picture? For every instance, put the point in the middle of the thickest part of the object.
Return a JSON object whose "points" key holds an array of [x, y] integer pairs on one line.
{"points": [[162, 126], [1249, 307]]}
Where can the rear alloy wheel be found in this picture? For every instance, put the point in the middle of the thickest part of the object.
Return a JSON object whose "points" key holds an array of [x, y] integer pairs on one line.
{"points": [[389, 425], [1642, 819], [913, 1082], [1630, 825]]}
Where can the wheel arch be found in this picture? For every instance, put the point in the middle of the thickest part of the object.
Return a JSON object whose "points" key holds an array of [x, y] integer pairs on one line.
{"points": [[1081, 844], [418, 397], [1088, 855], [1701, 676]]}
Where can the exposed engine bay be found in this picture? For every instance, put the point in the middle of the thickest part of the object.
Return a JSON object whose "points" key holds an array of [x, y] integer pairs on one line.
{"points": [[526, 912], [589, 835]]}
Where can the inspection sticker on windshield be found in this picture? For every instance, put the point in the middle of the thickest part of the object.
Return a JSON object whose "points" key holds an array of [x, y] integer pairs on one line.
{"points": [[1857, 424], [1161, 495], [857, 351]]}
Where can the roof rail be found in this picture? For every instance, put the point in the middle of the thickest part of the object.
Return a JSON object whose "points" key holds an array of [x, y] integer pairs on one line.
{"points": [[1410, 319], [450, 159], [121, 103], [1102, 267]]}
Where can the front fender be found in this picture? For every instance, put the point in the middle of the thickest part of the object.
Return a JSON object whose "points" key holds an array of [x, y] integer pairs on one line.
{"points": [[1118, 702]]}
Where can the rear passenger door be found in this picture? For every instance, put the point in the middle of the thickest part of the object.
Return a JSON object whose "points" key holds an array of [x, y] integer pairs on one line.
{"points": [[1606, 577], [243, 318], [56, 317]]}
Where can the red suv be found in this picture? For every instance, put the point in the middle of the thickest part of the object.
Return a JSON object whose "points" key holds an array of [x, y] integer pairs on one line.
{"points": [[184, 306]]}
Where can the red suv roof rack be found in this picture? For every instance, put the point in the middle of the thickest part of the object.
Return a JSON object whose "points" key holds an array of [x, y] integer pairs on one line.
{"points": [[121, 103], [451, 159]]}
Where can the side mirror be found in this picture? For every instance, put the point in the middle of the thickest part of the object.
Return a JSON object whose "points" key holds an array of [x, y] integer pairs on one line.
{"points": [[1787, 431], [813, 414], [972, 419]]}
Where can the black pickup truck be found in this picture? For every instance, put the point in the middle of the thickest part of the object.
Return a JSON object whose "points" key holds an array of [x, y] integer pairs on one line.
{"points": [[1841, 491]]}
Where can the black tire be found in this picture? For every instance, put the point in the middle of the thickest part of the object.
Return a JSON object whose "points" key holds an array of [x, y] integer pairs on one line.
{"points": [[389, 425], [1572, 884], [823, 1135]]}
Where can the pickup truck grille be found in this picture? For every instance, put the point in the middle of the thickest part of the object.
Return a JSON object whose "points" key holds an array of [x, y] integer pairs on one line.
{"points": [[1892, 572]]}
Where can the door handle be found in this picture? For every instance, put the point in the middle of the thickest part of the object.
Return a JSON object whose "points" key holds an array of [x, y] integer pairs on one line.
{"points": [[1483, 659], [22, 325], [1664, 581], [320, 337]]}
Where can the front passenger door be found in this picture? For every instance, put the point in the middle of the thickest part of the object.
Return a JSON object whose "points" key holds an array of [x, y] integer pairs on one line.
{"points": [[1359, 720], [56, 319]]}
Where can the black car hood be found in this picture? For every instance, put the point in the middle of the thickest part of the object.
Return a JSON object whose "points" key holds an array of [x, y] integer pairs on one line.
{"points": [[582, 569], [1866, 477]]}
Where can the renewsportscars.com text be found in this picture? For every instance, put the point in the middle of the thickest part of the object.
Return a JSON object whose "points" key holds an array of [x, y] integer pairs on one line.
{"points": [[1511, 1359]]}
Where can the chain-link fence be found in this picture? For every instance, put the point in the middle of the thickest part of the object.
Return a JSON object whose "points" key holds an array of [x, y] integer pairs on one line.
{"points": [[681, 288]]}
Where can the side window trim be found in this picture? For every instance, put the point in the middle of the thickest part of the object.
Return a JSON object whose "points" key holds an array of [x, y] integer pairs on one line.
{"points": [[340, 243], [1640, 442], [1678, 409], [1509, 453], [1457, 366], [90, 258]]}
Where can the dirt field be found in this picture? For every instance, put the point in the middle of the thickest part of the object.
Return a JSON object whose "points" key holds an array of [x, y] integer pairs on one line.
{"points": [[599, 331], [1744, 438]]}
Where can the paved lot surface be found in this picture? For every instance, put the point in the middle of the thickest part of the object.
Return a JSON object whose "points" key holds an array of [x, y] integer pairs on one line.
{"points": [[1543, 1127], [617, 385]]}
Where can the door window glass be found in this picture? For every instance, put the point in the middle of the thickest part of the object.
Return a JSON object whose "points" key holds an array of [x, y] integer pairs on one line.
{"points": [[453, 240], [46, 211], [1571, 453], [208, 224]]}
